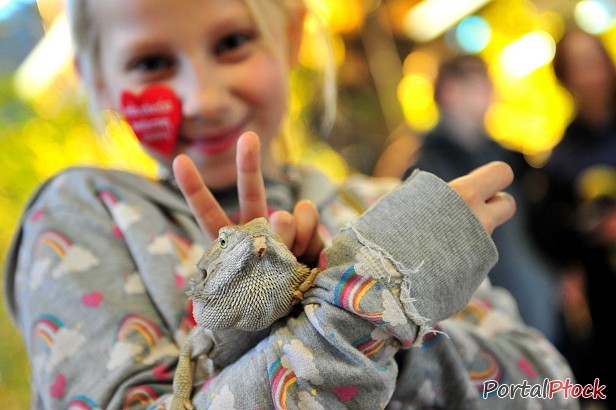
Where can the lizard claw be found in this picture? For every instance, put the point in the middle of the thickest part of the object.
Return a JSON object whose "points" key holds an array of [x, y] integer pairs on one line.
{"points": [[298, 295]]}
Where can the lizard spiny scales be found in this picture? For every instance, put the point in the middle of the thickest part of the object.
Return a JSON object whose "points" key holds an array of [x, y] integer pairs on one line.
{"points": [[249, 279]]}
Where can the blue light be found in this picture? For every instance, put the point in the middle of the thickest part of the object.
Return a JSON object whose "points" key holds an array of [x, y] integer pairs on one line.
{"points": [[473, 34], [10, 7], [595, 16]]}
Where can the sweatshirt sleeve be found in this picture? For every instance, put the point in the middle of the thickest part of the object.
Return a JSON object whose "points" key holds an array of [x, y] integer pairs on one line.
{"points": [[100, 308], [412, 259], [389, 323]]}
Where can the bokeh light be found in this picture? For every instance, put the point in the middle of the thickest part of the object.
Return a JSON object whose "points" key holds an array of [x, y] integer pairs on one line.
{"points": [[595, 16], [9, 7], [431, 18], [472, 34], [416, 95], [527, 54]]}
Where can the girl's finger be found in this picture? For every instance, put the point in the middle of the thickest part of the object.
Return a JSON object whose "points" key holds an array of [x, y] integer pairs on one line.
{"points": [[498, 210], [208, 213], [250, 185], [491, 178], [283, 223], [306, 218]]}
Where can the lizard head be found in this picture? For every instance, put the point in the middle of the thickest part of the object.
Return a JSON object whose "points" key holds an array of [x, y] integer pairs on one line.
{"points": [[246, 279]]}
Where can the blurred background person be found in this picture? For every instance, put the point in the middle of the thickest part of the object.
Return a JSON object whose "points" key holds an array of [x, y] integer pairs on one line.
{"points": [[458, 143], [575, 221]]}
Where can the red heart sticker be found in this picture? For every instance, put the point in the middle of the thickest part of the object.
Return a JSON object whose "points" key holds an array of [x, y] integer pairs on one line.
{"points": [[154, 116]]}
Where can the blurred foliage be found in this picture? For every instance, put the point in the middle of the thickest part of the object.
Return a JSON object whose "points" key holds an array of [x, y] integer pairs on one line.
{"points": [[14, 157], [33, 148]]}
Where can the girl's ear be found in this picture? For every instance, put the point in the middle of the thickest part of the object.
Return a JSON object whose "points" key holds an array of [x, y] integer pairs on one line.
{"points": [[295, 29], [77, 66], [101, 95]]}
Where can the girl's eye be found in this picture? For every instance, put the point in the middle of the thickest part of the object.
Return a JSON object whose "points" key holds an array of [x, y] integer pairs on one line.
{"points": [[152, 64], [232, 42]]}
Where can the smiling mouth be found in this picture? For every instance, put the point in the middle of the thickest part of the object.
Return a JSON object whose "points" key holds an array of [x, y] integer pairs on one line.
{"points": [[215, 143]]}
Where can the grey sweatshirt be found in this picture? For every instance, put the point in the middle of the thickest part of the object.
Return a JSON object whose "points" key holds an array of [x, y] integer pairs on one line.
{"points": [[97, 275]]}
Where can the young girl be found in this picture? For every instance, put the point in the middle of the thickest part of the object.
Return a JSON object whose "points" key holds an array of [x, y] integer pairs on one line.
{"points": [[96, 277]]}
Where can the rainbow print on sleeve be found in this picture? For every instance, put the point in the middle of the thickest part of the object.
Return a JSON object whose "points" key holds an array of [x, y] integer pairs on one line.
{"points": [[141, 396], [281, 379], [81, 402], [46, 328], [140, 325], [349, 293]]}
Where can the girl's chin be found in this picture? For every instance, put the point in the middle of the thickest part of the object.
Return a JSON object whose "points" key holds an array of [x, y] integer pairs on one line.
{"points": [[219, 175]]}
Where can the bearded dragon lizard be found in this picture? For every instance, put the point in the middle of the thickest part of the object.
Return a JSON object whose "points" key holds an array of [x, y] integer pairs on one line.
{"points": [[249, 279]]}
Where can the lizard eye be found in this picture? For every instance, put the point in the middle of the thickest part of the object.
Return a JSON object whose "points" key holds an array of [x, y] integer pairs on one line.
{"points": [[222, 240]]}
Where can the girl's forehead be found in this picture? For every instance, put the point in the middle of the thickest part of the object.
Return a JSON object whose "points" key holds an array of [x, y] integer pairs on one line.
{"points": [[161, 11]]}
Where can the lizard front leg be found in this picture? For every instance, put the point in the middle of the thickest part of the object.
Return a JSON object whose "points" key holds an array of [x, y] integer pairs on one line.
{"points": [[182, 380], [298, 294]]}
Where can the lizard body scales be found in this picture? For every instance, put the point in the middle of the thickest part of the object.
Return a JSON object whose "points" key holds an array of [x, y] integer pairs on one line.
{"points": [[249, 279]]}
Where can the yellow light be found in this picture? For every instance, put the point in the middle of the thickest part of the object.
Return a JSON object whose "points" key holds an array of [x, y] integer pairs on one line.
{"points": [[531, 114], [50, 60], [527, 54], [597, 181], [431, 18], [49, 10], [420, 62], [415, 93]]}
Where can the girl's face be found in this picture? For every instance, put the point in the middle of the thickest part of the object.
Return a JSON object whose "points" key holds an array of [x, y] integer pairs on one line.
{"points": [[212, 54]]}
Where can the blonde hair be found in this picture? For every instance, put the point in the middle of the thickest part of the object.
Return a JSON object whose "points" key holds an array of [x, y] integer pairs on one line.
{"points": [[86, 47]]}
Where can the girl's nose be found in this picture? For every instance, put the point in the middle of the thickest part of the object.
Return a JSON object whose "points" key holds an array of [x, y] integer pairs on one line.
{"points": [[204, 95]]}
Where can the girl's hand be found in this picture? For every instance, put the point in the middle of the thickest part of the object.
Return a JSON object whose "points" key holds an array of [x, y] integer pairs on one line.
{"points": [[298, 230], [482, 191]]}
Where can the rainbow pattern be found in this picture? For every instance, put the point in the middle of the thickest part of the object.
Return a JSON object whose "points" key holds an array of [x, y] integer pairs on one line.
{"points": [[476, 310], [46, 328], [368, 346], [55, 240], [133, 323], [349, 292], [108, 197], [141, 395], [490, 371], [82, 403], [281, 379]]}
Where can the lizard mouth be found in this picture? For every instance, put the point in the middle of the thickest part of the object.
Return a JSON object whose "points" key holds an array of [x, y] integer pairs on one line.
{"points": [[198, 282], [203, 276]]}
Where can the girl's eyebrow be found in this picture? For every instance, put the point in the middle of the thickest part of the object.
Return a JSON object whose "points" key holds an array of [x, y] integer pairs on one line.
{"points": [[231, 20], [134, 49]]}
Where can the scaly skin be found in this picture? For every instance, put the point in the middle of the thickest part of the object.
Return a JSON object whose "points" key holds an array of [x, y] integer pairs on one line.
{"points": [[249, 280], [182, 380]]}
